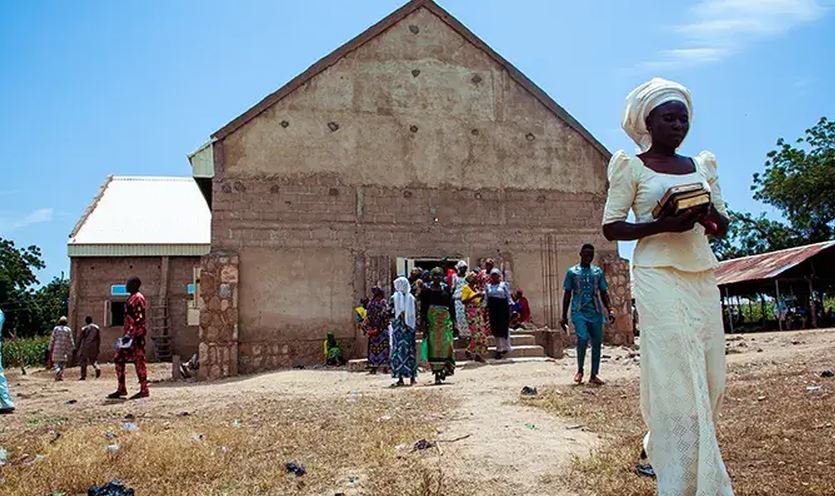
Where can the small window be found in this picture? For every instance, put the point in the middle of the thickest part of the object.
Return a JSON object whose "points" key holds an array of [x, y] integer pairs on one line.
{"points": [[117, 313], [118, 290]]}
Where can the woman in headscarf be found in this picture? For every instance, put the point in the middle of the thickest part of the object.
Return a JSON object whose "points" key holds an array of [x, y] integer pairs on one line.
{"points": [[459, 280], [499, 301], [6, 403], [682, 342], [477, 334], [377, 323], [439, 314], [404, 319]]}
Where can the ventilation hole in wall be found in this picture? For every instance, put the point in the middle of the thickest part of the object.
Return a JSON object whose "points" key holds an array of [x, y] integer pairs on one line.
{"points": [[288, 203], [414, 29], [478, 196], [239, 187], [476, 79], [284, 124], [333, 192], [530, 137], [415, 72], [333, 126], [226, 188], [407, 194], [413, 128], [540, 198], [475, 132], [275, 188]]}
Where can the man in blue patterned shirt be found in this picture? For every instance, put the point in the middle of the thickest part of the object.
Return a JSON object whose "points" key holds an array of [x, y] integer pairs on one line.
{"points": [[586, 294]]}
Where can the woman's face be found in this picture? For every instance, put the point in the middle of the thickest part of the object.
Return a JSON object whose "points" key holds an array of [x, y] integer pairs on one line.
{"points": [[668, 124], [437, 278]]}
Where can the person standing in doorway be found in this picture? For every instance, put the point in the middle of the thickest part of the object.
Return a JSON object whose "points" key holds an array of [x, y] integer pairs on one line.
{"points": [[439, 316], [61, 346], [459, 282], [586, 294], [131, 348], [88, 347], [6, 403], [498, 302]]}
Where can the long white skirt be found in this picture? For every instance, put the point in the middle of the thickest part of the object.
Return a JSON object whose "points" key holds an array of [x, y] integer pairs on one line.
{"points": [[682, 379]]}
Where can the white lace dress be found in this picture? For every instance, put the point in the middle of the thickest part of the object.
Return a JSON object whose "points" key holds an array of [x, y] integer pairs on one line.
{"points": [[682, 338]]}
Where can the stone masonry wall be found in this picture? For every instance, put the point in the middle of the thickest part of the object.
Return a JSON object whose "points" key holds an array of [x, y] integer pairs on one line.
{"points": [[620, 295], [218, 301]]}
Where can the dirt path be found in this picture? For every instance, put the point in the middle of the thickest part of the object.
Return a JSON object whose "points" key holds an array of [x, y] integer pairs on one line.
{"points": [[520, 449]]}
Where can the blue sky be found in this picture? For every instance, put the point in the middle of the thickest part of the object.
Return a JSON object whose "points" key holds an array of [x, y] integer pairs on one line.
{"points": [[94, 88]]}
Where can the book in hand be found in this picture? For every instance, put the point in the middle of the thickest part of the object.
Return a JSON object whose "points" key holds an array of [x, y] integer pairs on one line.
{"points": [[679, 199]]}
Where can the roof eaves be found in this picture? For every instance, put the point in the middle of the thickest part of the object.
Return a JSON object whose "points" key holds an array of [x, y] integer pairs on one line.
{"points": [[91, 206]]}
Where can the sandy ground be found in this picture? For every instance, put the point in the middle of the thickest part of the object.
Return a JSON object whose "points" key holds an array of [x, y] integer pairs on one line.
{"points": [[518, 447]]}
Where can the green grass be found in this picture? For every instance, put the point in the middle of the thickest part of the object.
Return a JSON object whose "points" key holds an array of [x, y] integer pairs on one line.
{"points": [[27, 352]]}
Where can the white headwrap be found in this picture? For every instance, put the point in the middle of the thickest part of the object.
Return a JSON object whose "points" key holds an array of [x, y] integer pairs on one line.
{"points": [[404, 301], [643, 99], [461, 265]]}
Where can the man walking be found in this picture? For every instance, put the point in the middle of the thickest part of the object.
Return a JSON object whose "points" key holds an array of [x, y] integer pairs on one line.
{"points": [[131, 346], [88, 347], [586, 294], [61, 346]]}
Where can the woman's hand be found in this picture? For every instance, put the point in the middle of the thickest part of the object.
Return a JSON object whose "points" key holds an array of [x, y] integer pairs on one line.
{"points": [[680, 223]]}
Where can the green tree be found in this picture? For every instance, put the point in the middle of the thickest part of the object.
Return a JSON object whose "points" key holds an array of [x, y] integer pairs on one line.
{"points": [[798, 180], [29, 310]]}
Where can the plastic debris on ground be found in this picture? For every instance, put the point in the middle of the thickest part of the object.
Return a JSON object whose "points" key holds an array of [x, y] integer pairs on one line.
{"points": [[827, 374], [529, 391], [645, 470], [531, 426], [295, 468], [4, 456], [814, 388], [236, 424], [423, 444], [130, 427], [112, 488], [112, 448]]}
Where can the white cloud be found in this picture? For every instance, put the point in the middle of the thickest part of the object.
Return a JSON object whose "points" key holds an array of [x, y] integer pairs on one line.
{"points": [[37, 216], [720, 28]]}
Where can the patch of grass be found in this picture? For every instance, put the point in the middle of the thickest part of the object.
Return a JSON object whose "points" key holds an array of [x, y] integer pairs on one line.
{"points": [[353, 445], [27, 352], [783, 444]]}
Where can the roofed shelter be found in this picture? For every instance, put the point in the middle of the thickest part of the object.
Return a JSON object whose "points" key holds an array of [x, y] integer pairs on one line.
{"points": [[800, 277], [414, 142], [156, 228]]}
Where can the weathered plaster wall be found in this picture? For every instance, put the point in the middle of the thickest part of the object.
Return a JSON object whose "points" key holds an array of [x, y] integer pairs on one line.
{"points": [[417, 144]]}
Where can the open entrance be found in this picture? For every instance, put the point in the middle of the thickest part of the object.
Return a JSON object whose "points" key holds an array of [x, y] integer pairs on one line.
{"points": [[405, 265]]}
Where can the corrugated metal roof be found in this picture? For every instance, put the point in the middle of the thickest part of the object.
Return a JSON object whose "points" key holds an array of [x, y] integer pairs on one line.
{"points": [[766, 265], [156, 215]]}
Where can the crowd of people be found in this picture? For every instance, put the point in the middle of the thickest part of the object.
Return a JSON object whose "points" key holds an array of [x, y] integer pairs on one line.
{"points": [[442, 305]]}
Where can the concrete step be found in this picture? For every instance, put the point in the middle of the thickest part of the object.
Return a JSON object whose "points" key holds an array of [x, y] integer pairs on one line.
{"points": [[522, 351], [519, 352], [515, 340]]}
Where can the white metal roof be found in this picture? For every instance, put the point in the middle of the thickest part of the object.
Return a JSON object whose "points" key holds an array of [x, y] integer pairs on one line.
{"points": [[150, 216]]}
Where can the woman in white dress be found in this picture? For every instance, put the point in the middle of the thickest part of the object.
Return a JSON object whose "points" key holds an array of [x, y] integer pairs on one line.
{"points": [[682, 338]]}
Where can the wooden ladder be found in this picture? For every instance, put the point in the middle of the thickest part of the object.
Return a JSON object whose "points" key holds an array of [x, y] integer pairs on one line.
{"points": [[160, 331]]}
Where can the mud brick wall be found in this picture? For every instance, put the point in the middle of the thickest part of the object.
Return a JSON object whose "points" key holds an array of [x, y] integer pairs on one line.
{"points": [[90, 282]]}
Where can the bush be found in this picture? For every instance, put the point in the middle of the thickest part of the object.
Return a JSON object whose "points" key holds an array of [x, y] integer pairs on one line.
{"points": [[28, 352]]}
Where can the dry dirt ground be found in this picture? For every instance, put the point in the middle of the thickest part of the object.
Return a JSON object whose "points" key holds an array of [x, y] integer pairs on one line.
{"points": [[355, 435]]}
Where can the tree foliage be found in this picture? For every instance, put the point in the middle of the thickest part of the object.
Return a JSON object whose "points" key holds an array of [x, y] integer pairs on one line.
{"points": [[798, 180], [29, 310]]}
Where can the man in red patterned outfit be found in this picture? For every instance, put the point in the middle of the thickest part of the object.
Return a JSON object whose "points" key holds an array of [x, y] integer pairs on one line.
{"points": [[135, 330]]}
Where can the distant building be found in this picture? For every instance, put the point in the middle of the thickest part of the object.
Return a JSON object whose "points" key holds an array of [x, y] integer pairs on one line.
{"points": [[411, 144], [156, 228]]}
